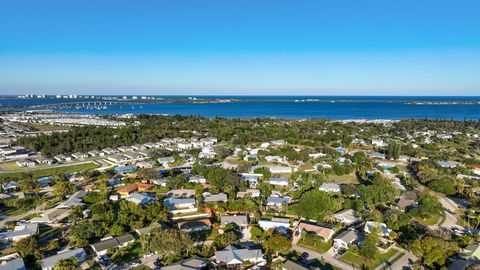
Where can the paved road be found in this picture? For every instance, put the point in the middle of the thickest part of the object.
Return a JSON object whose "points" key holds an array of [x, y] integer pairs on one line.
{"points": [[5, 219], [450, 221], [404, 262], [325, 257], [45, 167]]}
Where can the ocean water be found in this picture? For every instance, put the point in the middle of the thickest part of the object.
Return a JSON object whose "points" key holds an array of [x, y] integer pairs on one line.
{"points": [[331, 107]]}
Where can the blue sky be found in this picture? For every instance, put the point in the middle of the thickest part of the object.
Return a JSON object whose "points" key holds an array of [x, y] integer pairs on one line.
{"points": [[240, 47]]}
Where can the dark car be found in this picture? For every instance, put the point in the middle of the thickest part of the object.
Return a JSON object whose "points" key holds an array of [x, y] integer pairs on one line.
{"points": [[304, 256]]}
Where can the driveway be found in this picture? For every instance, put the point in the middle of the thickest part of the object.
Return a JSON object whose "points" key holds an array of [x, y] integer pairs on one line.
{"points": [[325, 257], [404, 262]]}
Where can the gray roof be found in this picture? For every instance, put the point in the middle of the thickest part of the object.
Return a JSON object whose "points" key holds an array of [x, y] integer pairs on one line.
{"points": [[112, 242], [221, 197], [28, 229], [148, 229], [74, 200], [278, 200], [52, 260], [291, 265], [175, 201], [236, 219], [194, 262], [230, 253], [16, 264], [348, 236]]}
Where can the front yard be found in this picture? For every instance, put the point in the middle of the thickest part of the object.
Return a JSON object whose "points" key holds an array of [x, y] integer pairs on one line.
{"points": [[315, 242], [352, 257]]}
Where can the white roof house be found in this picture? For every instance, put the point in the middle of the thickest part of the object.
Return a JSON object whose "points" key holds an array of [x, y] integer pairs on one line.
{"points": [[140, 198], [20, 232], [274, 158], [347, 216], [49, 262], [280, 169], [330, 188], [233, 257], [382, 227], [240, 220], [345, 239], [209, 197], [279, 181], [197, 179], [281, 224]]}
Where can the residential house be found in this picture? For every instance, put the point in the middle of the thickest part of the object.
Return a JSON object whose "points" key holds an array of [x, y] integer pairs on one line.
{"points": [[378, 155], [110, 151], [19, 232], [446, 164], [12, 262], [117, 158], [379, 142], [239, 220], [251, 178], [233, 258], [100, 248], [125, 148], [274, 159], [59, 157], [44, 181], [134, 156], [276, 203], [404, 203], [155, 225], [79, 155], [198, 179], [291, 265], [330, 188], [52, 216], [281, 224], [73, 200], [144, 165], [324, 232], [177, 203], [181, 193], [140, 198], [347, 216], [10, 187], [279, 169], [44, 160], [95, 153], [133, 187], [161, 182], [471, 252], [193, 263], [25, 163], [125, 169], [209, 197], [252, 193], [49, 263], [194, 225], [165, 160], [345, 239], [281, 181], [382, 227]]}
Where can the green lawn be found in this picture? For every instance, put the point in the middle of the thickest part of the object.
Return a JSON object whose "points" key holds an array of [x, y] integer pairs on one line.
{"points": [[343, 179], [128, 253], [351, 257], [429, 221], [51, 171], [315, 242], [9, 166], [9, 211]]}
